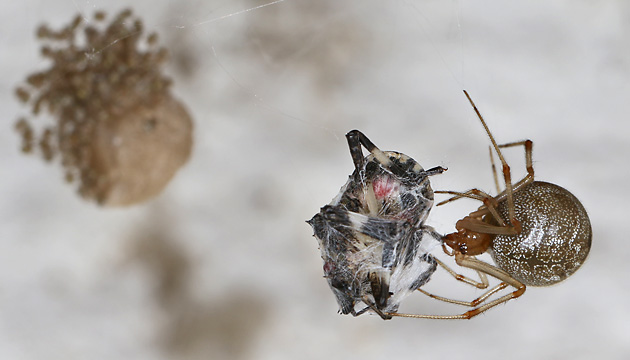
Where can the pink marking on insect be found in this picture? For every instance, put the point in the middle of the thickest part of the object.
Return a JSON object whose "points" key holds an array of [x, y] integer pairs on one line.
{"points": [[384, 187]]}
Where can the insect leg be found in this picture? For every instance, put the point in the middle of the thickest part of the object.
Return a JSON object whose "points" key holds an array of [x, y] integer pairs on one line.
{"points": [[384, 316], [355, 150], [435, 171], [355, 140], [360, 312]]}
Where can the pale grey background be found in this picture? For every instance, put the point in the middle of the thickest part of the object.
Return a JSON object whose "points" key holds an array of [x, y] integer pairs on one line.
{"points": [[222, 265]]}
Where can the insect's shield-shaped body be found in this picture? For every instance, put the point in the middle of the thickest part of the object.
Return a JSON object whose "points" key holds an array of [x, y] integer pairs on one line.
{"points": [[372, 236]]}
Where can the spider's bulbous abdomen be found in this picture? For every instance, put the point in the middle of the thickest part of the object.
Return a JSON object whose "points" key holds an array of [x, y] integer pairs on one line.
{"points": [[555, 238]]}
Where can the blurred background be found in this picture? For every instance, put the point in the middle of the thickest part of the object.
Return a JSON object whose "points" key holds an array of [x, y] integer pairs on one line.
{"points": [[221, 265]]}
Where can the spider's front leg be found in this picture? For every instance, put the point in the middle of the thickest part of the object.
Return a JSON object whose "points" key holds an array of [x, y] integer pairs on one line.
{"points": [[481, 267]]}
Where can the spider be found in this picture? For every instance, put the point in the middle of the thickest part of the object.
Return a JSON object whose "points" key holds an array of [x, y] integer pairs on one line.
{"points": [[372, 235], [537, 233]]}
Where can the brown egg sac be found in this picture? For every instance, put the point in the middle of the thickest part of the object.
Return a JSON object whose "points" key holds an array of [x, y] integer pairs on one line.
{"points": [[115, 125], [137, 153]]}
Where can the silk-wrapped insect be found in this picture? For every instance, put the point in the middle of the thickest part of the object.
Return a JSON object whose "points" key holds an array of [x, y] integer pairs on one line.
{"points": [[373, 238]]}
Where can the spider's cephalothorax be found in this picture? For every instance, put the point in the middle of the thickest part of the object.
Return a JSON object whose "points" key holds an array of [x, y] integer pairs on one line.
{"points": [[371, 235]]}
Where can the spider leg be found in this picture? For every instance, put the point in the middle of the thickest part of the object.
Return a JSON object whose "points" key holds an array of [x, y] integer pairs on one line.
{"points": [[472, 303], [478, 265], [528, 145], [480, 195], [495, 175], [431, 231], [475, 194], [479, 226], [482, 284], [490, 204], [507, 174]]}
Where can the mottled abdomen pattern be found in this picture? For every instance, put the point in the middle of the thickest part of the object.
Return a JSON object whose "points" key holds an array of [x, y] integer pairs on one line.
{"points": [[555, 238]]}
